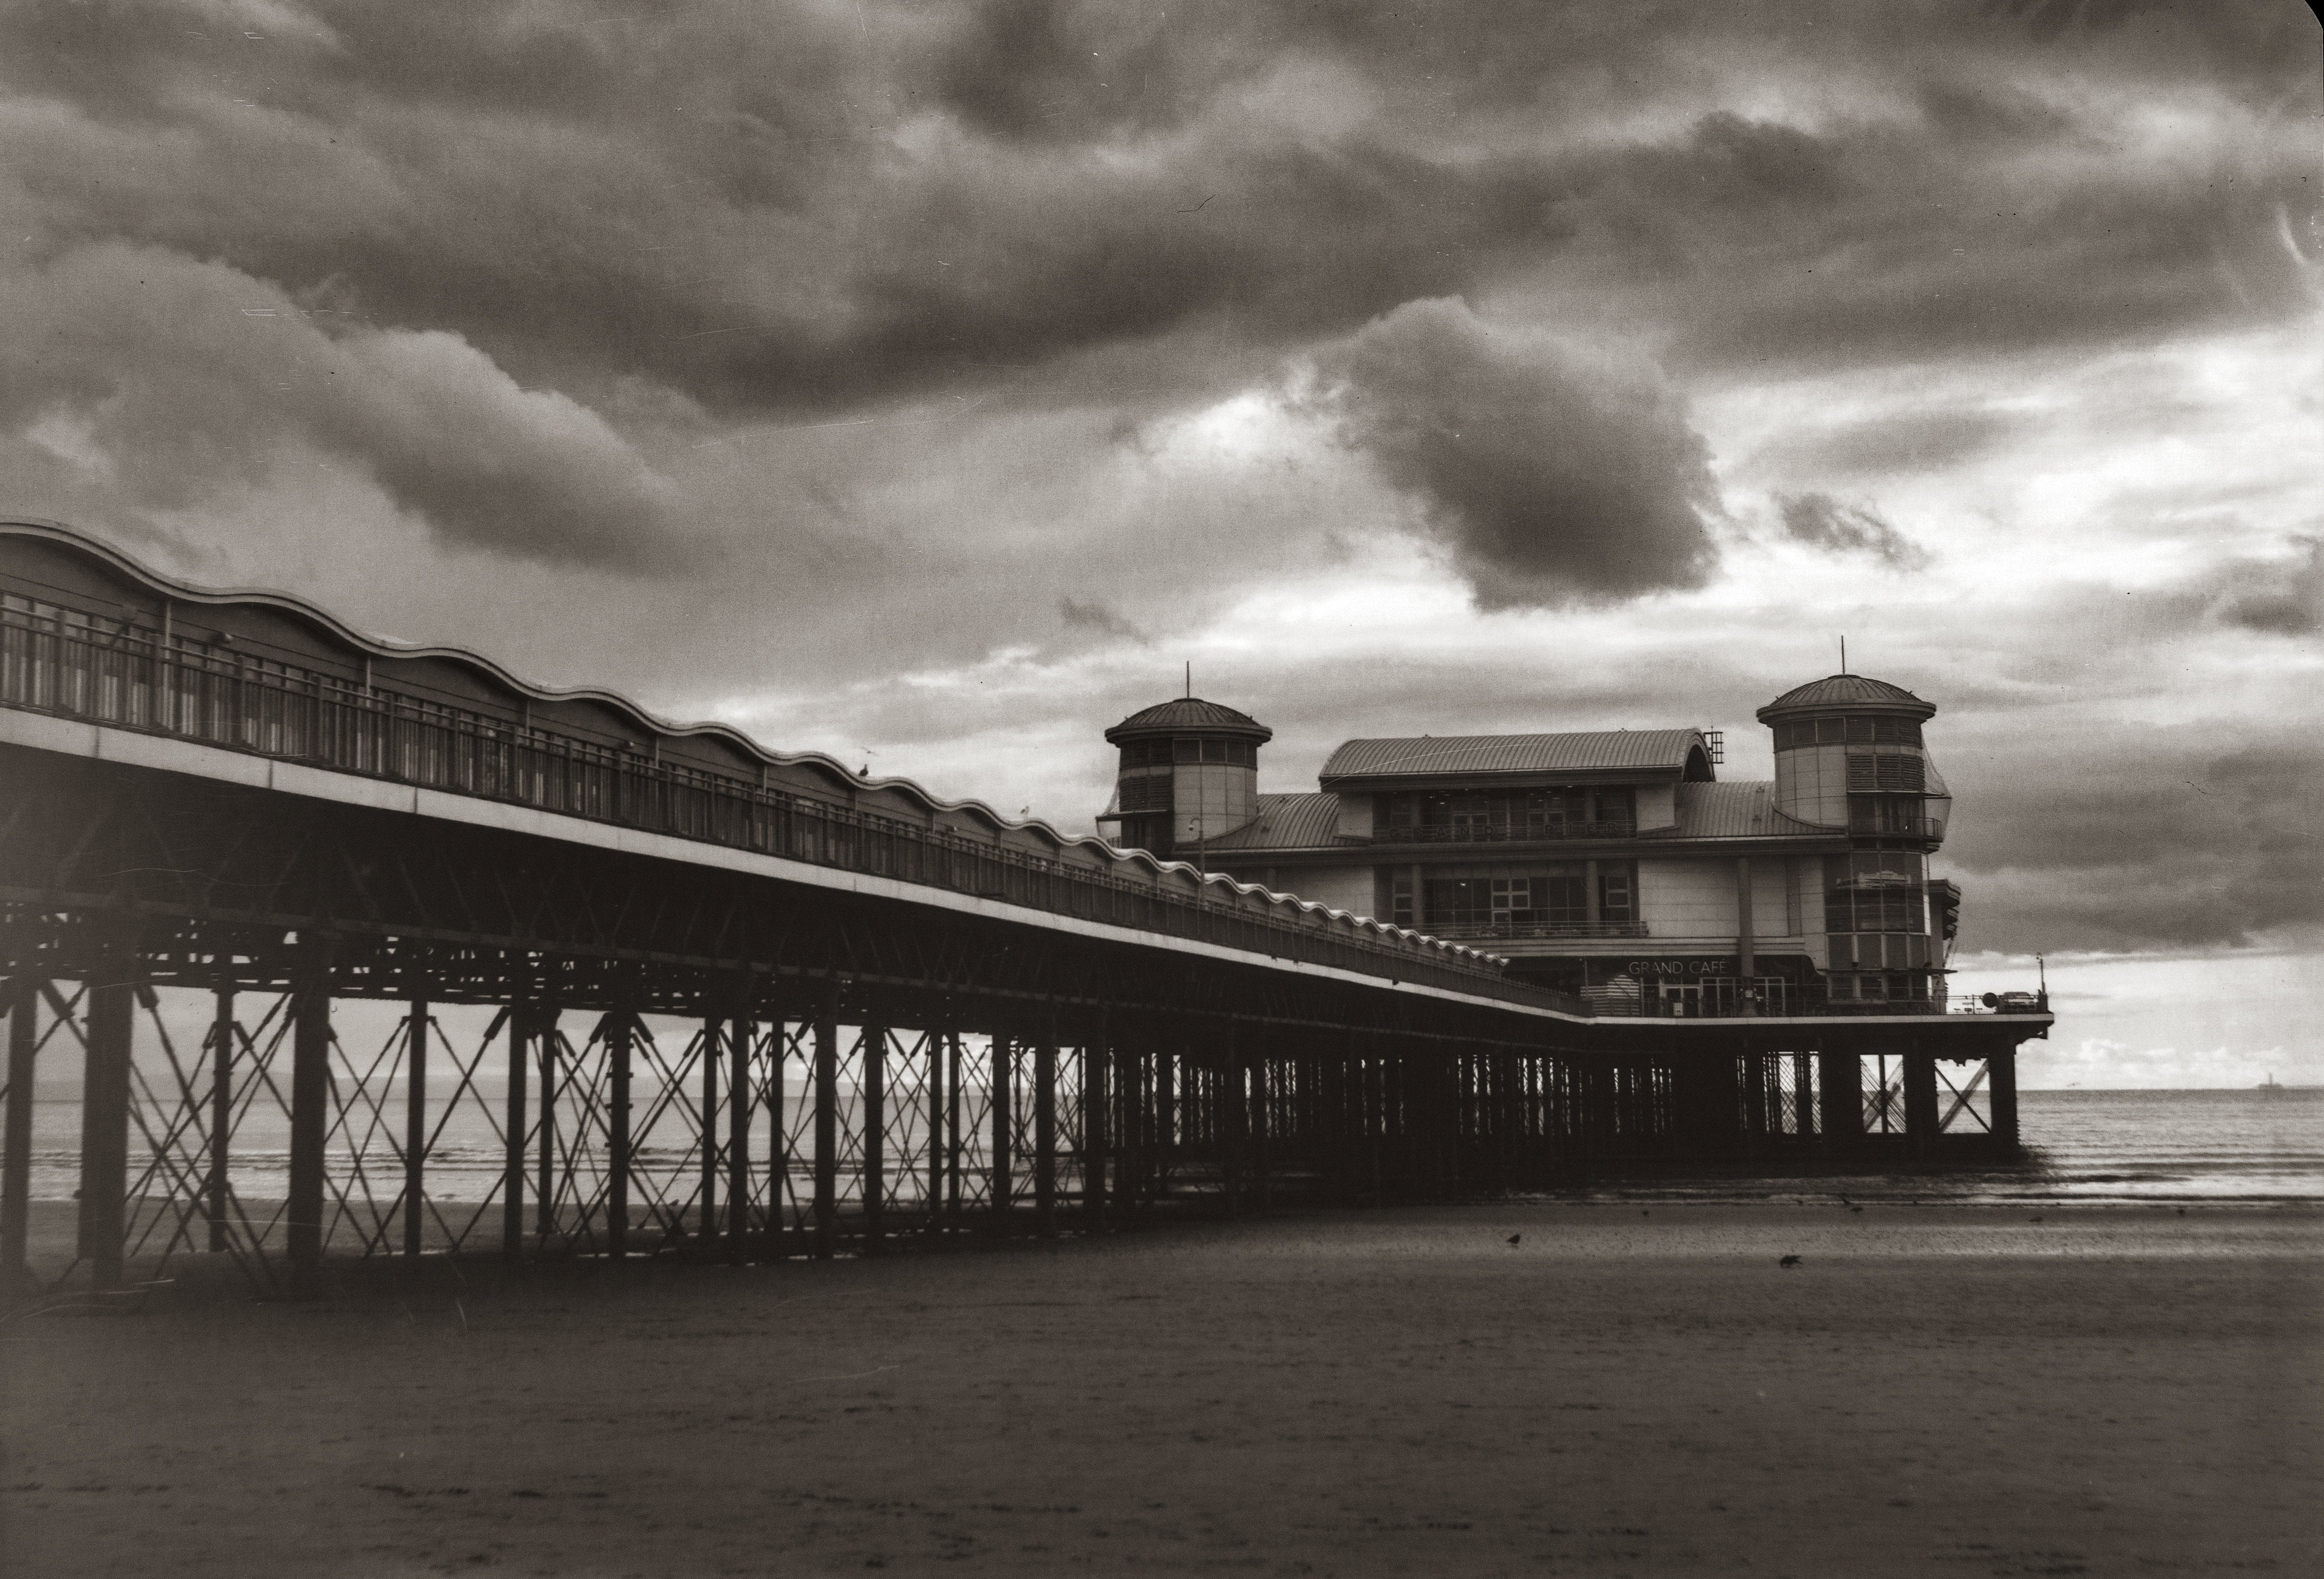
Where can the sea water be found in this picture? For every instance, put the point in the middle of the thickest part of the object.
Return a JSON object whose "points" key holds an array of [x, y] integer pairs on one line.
{"points": [[2155, 1146]]}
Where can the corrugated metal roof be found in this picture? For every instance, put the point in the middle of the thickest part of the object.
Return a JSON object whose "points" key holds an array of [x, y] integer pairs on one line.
{"points": [[1191, 713], [1285, 822], [1735, 808], [1452, 755], [1841, 691]]}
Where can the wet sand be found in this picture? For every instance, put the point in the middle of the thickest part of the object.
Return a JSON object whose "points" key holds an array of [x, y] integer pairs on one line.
{"points": [[1946, 1390]]}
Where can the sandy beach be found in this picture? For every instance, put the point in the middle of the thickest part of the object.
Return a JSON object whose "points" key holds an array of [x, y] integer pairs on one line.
{"points": [[1626, 1391]]}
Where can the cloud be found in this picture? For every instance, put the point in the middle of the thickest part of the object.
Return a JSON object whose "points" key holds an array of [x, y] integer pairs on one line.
{"points": [[1099, 618], [2282, 598], [1550, 472], [1822, 522], [177, 378]]}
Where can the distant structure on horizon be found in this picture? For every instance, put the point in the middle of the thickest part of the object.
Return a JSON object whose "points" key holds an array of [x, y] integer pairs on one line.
{"points": [[1611, 863]]}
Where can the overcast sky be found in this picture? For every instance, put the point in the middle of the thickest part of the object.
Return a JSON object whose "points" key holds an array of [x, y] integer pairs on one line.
{"points": [[927, 383]]}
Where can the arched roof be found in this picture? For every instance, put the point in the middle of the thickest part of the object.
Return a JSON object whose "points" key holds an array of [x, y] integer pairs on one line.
{"points": [[1190, 713], [1848, 690]]}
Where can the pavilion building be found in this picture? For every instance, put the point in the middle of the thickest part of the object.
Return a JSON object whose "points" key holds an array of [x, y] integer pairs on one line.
{"points": [[1614, 862]]}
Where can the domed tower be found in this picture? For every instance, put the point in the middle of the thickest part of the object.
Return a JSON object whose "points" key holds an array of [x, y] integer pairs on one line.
{"points": [[1189, 772], [1848, 753]]}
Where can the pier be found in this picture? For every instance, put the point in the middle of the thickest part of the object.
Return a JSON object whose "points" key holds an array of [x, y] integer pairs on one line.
{"points": [[713, 1000]]}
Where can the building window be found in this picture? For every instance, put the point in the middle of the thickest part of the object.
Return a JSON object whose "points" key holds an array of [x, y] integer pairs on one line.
{"points": [[1475, 816], [1886, 813], [1617, 883], [1794, 733], [1890, 773]]}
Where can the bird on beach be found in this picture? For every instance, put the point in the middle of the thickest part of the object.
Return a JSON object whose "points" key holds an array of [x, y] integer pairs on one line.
{"points": [[1789, 1261], [1858, 1210], [1513, 1238], [2033, 1219]]}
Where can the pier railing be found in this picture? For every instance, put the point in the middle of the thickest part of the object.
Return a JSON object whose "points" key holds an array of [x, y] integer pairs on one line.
{"points": [[80, 665]]}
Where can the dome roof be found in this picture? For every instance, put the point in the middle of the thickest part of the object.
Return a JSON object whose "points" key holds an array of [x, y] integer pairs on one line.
{"points": [[1190, 713], [1848, 690]]}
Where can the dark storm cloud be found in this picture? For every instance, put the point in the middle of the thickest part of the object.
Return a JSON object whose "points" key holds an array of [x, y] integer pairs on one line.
{"points": [[2283, 598], [1838, 527], [715, 212], [2170, 838], [1098, 617], [1916, 442], [1553, 472]]}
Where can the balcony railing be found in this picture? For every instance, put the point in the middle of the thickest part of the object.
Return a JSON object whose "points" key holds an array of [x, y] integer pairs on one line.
{"points": [[1491, 833], [57, 662], [1519, 929]]}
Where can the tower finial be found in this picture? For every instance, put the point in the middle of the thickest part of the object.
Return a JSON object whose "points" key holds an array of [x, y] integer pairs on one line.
{"points": [[1843, 655], [1190, 679]]}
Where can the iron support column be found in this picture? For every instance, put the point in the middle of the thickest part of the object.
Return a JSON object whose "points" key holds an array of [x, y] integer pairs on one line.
{"points": [[708, 1228], [310, 1092], [933, 1042], [222, 1034], [2001, 1084], [104, 1124], [952, 1120], [873, 1087], [415, 1125], [545, 1187], [620, 1040], [1045, 1131], [1003, 1096], [520, 1060], [1094, 1127], [1840, 1078], [1234, 1121], [16, 1178], [1921, 1102], [827, 1129], [738, 1137]]}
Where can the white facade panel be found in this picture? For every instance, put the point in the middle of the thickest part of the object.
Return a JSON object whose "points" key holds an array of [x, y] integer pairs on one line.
{"points": [[1687, 897], [1658, 806], [1339, 888]]}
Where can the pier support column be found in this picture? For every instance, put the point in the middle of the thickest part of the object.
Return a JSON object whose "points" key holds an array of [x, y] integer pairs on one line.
{"points": [[1096, 1128], [513, 1132], [620, 1042], [871, 1053], [738, 1134], [310, 1096], [2001, 1087], [1920, 1101], [933, 1041], [706, 1232], [415, 1125], [223, 1035], [105, 1124], [1004, 1123], [544, 1193], [1045, 1131], [952, 1120], [827, 1129], [1233, 1085], [16, 1175], [1839, 1080], [779, 1151]]}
